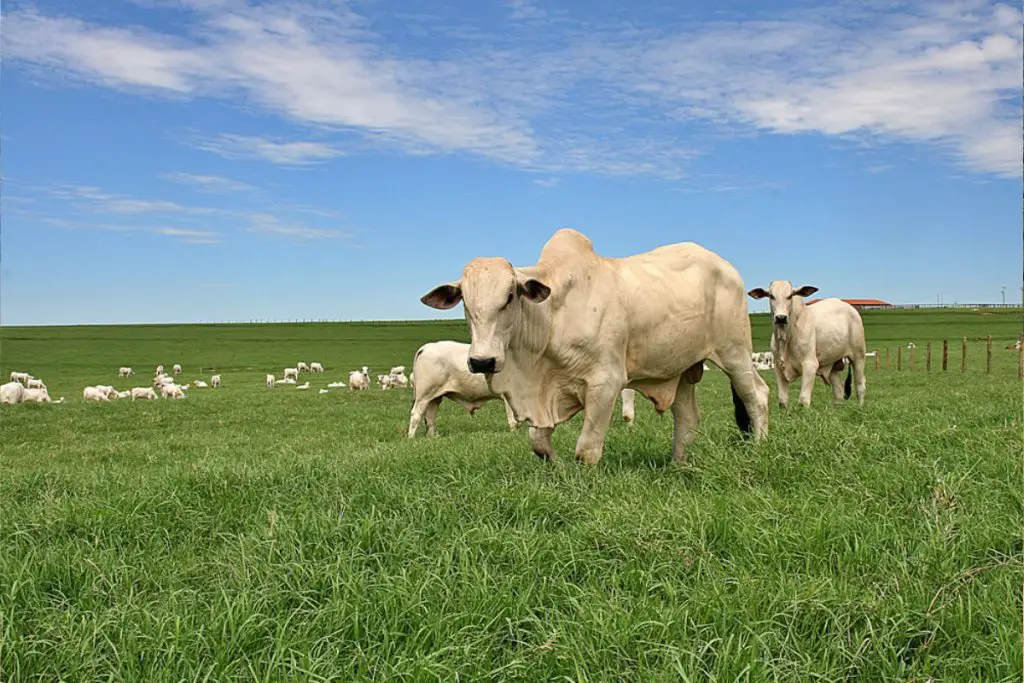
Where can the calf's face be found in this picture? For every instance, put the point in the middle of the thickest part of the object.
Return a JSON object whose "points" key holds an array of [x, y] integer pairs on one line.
{"points": [[780, 295], [490, 290]]}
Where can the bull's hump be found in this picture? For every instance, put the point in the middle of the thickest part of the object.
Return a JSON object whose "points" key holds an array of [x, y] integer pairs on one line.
{"points": [[569, 239]]}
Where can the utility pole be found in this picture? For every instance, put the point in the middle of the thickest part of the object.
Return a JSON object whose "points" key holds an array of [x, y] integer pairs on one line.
{"points": [[1004, 295]]}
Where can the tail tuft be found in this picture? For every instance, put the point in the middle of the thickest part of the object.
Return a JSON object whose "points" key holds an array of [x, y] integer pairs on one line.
{"points": [[740, 410]]}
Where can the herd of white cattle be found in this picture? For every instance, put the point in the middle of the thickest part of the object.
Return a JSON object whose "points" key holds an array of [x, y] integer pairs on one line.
{"points": [[24, 388]]}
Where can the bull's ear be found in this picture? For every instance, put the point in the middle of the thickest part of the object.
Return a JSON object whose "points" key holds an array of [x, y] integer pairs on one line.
{"points": [[443, 296], [806, 290], [534, 290], [757, 293]]}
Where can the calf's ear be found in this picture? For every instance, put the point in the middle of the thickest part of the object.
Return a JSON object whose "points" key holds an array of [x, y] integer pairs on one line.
{"points": [[443, 296], [806, 290], [757, 293]]}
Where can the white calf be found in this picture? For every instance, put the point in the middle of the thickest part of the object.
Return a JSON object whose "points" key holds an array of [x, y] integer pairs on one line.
{"points": [[301, 366], [22, 377], [292, 373], [303, 386], [36, 384], [810, 340], [159, 370], [110, 391], [200, 384], [384, 381], [397, 370], [270, 381], [144, 394], [315, 367], [12, 392], [125, 372], [215, 381]]}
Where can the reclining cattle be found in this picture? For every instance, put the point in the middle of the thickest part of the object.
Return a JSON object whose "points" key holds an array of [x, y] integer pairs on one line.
{"points": [[12, 392], [573, 331], [814, 340]]}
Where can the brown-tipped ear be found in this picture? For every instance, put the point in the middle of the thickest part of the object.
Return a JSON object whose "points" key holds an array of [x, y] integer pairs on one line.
{"points": [[443, 296], [806, 290], [757, 293], [534, 290]]}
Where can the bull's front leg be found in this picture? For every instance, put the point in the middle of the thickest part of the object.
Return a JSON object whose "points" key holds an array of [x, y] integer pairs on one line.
{"points": [[809, 371], [598, 407], [782, 383], [540, 442]]}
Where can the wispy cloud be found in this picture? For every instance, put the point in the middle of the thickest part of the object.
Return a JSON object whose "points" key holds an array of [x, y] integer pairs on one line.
{"points": [[211, 183], [231, 146], [562, 94], [268, 224], [95, 199], [879, 168], [548, 182], [191, 236]]}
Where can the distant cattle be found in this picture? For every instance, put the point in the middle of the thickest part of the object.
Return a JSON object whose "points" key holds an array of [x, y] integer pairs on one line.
{"points": [[144, 394], [176, 369], [270, 381], [125, 372], [316, 367], [814, 340], [301, 366], [215, 381], [12, 392]]}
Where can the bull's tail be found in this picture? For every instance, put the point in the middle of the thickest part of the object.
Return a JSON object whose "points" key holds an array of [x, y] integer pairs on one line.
{"points": [[740, 410], [848, 385]]}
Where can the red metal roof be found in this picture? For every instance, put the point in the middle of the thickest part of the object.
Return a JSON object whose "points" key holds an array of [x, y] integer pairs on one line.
{"points": [[857, 302]]}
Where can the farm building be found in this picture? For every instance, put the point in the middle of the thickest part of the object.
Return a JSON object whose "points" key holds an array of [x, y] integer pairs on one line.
{"points": [[860, 303]]}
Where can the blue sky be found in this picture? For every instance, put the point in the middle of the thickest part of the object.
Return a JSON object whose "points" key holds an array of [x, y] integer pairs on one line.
{"points": [[197, 160]]}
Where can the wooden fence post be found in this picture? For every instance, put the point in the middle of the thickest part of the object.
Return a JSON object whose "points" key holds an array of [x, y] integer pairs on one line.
{"points": [[988, 355], [887, 358], [963, 355], [899, 357], [912, 357], [877, 360], [945, 354], [928, 358]]}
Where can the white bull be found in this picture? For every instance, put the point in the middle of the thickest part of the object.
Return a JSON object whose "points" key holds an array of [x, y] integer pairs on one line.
{"points": [[572, 332], [12, 392], [814, 340]]}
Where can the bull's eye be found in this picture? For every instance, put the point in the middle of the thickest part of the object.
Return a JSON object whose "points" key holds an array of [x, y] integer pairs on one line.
{"points": [[509, 299]]}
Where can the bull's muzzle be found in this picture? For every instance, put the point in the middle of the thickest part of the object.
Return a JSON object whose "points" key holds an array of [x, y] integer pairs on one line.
{"points": [[482, 365]]}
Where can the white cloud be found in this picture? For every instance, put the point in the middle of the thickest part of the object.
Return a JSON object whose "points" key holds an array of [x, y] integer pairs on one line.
{"points": [[211, 183], [96, 200], [548, 182], [559, 94], [285, 153]]}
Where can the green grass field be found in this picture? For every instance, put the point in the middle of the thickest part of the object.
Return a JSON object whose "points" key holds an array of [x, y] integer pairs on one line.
{"points": [[250, 534]]}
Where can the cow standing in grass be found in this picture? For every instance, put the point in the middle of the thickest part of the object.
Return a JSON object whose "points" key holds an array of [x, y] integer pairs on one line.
{"points": [[814, 340], [572, 332]]}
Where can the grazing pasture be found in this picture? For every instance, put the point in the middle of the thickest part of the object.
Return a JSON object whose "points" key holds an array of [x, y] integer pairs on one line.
{"points": [[248, 533]]}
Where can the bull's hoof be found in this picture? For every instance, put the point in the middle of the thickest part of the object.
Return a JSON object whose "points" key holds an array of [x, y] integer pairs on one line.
{"points": [[542, 455]]}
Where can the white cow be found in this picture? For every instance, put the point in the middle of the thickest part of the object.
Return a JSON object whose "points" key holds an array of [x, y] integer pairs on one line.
{"points": [[37, 395], [398, 380], [315, 367], [110, 391], [572, 332], [125, 371], [384, 381], [176, 369], [215, 381], [270, 381], [305, 385], [397, 370], [357, 381], [172, 391], [291, 373], [301, 366], [122, 394], [35, 384], [95, 394], [144, 394], [12, 392], [324, 391], [22, 377], [200, 384], [159, 370], [814, 340], [443, 372], [336, 385]]}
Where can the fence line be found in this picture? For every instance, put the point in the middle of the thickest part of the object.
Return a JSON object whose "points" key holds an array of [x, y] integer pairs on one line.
{"points": [[964, 353]]}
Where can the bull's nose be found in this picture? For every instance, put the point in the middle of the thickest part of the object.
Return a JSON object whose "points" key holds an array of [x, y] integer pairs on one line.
{"points": [[481, 365], [781, 319]]}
